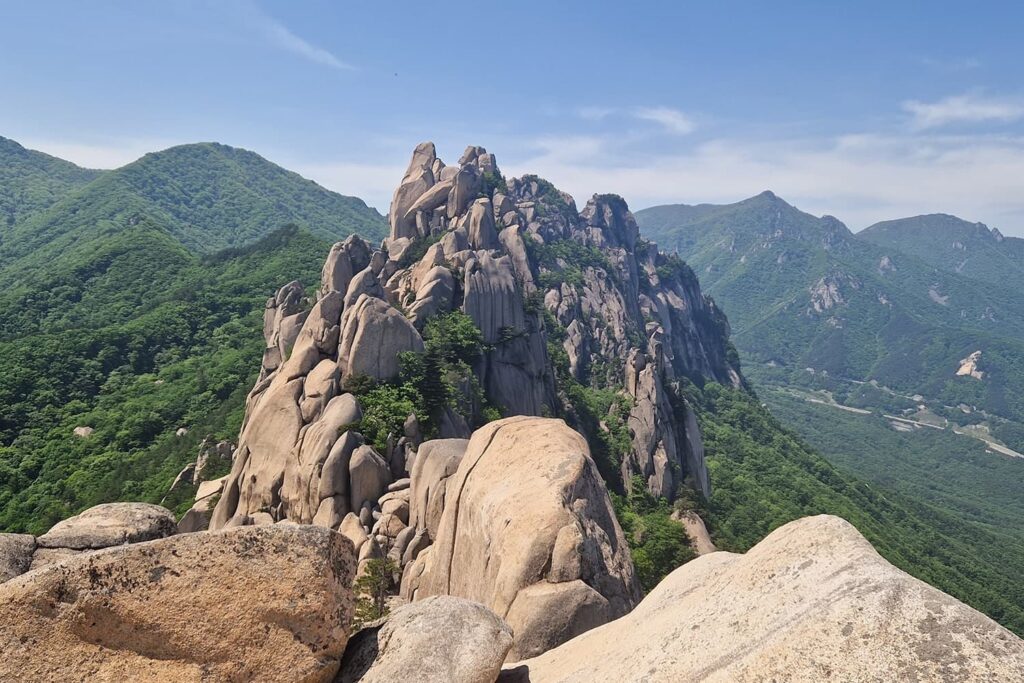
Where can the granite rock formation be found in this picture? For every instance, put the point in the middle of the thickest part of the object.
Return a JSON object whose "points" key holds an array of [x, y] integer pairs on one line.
{"points": [[559, 296], [259, 604], [527, 529], [813, 601]]}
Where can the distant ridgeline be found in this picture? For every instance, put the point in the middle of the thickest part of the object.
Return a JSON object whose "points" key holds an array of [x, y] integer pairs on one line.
{"points": [[906, 304], [915, 325]]}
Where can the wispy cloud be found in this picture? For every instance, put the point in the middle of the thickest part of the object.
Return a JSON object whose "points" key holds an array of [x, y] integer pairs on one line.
{"points": [[951, 64], [963, 109], [861, 179], [280, 36], [595, 113], [672, 120]]}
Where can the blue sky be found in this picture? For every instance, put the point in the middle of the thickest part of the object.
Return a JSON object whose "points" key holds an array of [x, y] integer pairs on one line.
{"points": [[862, 110]]}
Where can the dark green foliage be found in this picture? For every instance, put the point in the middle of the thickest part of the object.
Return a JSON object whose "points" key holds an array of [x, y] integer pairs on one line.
{"points": [[385, 408], [493, 182], [32, 181], [430, 382], [158, 341], [658, 543], [565, 261], [372, 590]]}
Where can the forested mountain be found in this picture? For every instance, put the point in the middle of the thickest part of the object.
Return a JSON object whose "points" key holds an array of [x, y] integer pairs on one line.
{"points": [[810, 300], [206, 196], [122, 310], [954, 245], [164, 339], [31, 181]]}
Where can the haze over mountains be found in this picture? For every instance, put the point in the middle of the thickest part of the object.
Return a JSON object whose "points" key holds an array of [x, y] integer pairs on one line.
{"points": [[149, 284]]}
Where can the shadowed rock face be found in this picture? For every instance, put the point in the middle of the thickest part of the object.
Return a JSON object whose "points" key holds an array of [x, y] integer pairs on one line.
{"points": [[528, 530], [260, 604], [813, 601]]}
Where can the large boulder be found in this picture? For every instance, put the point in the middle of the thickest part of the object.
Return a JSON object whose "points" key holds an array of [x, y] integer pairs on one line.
{"points": [[528, 530], [811, 602], [110, 524], [418, 178], [436, 461], [255, 604], [15, 554], [373, 334], [438, 639]]}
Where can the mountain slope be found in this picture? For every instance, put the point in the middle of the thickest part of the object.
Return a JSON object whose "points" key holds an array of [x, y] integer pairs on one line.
{"points": [[813, 307], [954, 245], [31, 181], [164, 339], [803, 292], [207, 196]]}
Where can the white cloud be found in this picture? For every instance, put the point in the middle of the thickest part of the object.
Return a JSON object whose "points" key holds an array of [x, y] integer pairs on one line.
{"points": [[282, 37], [861, 179], [963, 109], [672, 120]]}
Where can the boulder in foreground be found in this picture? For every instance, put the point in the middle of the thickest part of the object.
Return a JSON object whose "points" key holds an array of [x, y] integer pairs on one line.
{"points": [[813, 601], [253, 604], [438, 639]]}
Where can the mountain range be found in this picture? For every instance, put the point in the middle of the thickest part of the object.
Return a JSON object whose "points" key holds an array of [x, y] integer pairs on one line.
{"points": [[150, 284], [883, 316]]}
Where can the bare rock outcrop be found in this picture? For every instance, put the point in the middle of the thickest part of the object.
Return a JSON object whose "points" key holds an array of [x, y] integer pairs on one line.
{"points": [[15, 554], [811, 602], [259, 604], [527, 268], [438, 639], [99, 527], [528, 530], [373, 334], [110, 524]]}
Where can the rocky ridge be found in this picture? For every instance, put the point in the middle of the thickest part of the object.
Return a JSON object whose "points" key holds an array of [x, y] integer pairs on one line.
{"points": [[813, 601], [555, 294]]}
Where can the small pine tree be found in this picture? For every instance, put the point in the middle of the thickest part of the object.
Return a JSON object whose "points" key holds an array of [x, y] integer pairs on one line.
{"points": [[372, 589]]}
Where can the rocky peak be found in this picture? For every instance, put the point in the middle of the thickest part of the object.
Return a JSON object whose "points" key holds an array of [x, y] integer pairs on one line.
{"points": [[563, 301], [609, 222]]}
